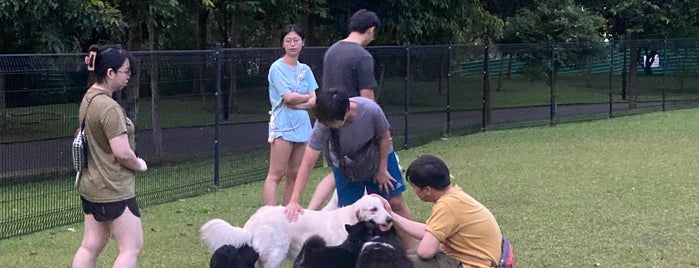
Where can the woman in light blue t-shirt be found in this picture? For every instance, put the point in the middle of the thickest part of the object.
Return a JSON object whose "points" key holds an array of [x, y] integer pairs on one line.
{"points": [[291, 93]]}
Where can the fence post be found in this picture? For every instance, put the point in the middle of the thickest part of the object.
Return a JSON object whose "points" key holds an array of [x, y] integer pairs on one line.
{"points": [[552, 79], [217, 57], [611, 73], [485, 98], [663, 60], [623, 70], [407, 94], [448, 90]]}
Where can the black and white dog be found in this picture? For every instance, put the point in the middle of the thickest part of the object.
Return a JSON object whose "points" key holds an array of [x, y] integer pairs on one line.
{"points": [[315, 253], [229, 256], [384, 251]]}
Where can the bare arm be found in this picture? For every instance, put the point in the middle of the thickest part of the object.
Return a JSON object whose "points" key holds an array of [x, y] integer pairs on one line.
{"points": [[123, 153], [310, 103], [293, 98], [293, 208], [367, 93], [383, 178], [428, 246]]}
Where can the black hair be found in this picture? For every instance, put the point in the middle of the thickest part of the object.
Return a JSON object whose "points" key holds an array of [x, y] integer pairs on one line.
{"points": [[428, 170], [362, 20], [107, 57], [331, 105], [291, 28]]}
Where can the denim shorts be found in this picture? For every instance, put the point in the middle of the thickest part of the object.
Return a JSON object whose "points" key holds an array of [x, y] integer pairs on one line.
{"points": [[349, 192]]}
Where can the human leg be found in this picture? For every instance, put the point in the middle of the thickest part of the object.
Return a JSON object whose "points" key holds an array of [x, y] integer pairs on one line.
{"points": [[279, 153], [395, 198], [292, 170], [348, 192], [324, 189], [128, 232], [440, 260], [95, 238]]}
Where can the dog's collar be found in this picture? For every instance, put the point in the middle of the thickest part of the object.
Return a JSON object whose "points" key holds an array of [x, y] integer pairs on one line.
{"points": [[372, 243]]}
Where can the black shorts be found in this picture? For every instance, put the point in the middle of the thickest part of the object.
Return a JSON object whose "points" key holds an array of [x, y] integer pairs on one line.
{"points": [[104, 212]]}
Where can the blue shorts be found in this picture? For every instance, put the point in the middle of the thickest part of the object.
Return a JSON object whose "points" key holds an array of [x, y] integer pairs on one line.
{"points": [[349, 192]]}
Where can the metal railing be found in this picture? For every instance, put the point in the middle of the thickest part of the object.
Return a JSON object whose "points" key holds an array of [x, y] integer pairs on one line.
{"points": [[198, 107]]}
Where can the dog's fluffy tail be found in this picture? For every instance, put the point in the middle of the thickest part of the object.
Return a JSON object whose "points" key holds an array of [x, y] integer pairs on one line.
{"points": [[217, 233]]}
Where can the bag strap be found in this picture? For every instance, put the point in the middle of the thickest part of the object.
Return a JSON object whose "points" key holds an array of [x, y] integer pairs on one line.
{"points": [[82, 124], [335, 142]]}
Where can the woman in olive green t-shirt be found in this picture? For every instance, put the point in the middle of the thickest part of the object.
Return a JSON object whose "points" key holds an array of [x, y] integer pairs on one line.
{"points": [[107, 183]]}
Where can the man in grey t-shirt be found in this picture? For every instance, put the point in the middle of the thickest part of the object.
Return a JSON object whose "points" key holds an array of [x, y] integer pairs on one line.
{"points": [[349, 67], [356, 121], [346, 64]]}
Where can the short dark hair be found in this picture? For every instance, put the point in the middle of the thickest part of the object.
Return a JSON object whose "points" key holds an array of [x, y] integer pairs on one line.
{"points": [[331, 105], [110, 56], [362, 20], [291, 28], [428, 170]]}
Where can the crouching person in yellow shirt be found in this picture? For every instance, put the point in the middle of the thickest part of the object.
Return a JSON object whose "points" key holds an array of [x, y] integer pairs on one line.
{"points": [[460, 231]]}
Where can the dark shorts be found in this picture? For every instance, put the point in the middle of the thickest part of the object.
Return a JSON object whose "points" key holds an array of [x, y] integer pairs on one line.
{"points": [[104, 212], [349, 192]]}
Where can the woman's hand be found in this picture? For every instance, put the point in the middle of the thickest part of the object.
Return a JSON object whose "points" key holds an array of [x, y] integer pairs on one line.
{"points": [[292, 211]]}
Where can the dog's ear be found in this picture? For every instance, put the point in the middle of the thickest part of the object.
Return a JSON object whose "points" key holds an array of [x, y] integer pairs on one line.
{"points": [[358, 214], [348, 227]]}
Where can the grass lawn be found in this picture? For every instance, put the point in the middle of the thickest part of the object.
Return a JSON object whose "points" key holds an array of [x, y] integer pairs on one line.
{"points": [[608, 193]]}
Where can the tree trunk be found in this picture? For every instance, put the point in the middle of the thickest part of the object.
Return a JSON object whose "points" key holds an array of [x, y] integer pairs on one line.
{"points": [[130, 95], [232, 87], [501, 73], [632, 91], [443, 70], [509, 67], [198, 87], [155, 96]]}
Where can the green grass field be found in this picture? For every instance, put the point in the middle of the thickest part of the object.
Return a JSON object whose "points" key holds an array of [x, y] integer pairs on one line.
{"points": [[608, 193]]}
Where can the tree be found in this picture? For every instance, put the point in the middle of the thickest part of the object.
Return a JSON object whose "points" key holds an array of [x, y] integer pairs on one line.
{"points": [[559, 22], [66, 25]]}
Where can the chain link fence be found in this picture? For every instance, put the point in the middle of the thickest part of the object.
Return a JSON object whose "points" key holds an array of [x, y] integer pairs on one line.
{"points": [[201, 116]]}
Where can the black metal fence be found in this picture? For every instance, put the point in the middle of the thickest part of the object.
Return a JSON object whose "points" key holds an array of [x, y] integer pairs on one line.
{"points": [[201, 115]]}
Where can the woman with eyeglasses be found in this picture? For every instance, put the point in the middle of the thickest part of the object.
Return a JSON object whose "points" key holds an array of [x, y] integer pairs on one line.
{"points": [[107, 184], [292, 88]]}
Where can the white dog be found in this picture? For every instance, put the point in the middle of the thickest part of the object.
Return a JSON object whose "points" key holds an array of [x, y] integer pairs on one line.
{"points": [[275, 238]]}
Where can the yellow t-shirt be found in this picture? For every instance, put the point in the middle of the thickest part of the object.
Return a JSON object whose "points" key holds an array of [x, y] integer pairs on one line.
{"points": [[105, 179], [464, 226]]}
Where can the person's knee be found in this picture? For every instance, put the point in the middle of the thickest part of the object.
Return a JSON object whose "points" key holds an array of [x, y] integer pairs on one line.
{"points": [[94, 245], [133, 247], [273, 178], [399, 206], [396, 202]]}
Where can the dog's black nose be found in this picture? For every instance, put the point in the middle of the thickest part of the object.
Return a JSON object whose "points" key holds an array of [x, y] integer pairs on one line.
{"points": [[389, 219]]}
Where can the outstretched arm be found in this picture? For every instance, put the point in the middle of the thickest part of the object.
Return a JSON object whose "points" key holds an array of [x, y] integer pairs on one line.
{"points": [[428, 246], [293, 209]]}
